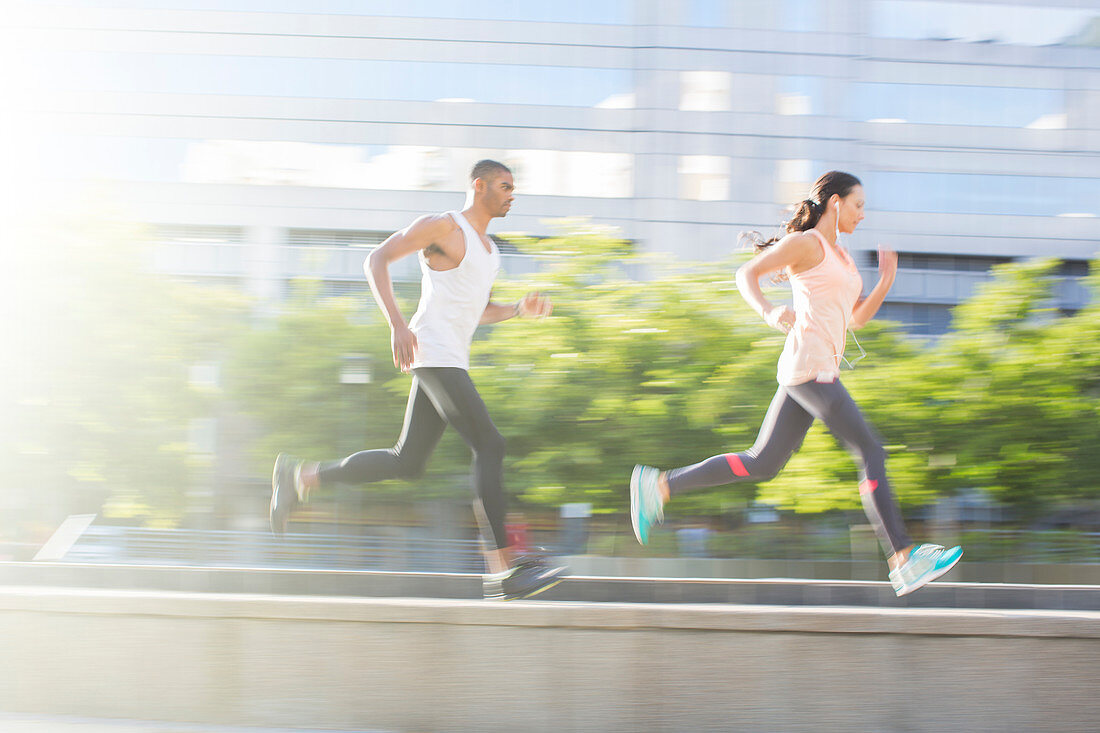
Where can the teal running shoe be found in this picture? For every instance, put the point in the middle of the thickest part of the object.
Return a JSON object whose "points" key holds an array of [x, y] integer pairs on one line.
{"points": [[646, 507], [925, 564]]}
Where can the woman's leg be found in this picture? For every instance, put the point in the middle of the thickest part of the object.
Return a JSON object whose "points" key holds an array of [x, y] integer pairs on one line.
{"points": [[831, 403], [781, 434]]}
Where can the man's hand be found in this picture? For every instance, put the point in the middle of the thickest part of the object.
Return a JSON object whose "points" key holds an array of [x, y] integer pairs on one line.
{"points": [[403, 342], [534, 304]]}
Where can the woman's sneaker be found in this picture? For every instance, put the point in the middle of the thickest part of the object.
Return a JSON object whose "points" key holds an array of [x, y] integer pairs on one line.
{"points": [[646, 507], [925, 564], [530, 576]]}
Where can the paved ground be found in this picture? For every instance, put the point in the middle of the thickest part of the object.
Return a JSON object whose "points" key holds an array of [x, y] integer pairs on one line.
{"points": [[19, 723]]}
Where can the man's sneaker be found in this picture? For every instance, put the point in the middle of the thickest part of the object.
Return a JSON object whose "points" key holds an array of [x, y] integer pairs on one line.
{"points": [[925, 564], [284, 493], [646, 507], [528, 577]]}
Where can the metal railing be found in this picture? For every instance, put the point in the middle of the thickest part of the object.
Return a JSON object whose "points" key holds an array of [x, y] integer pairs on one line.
{"points": [[219, 548], [1038, 546]]}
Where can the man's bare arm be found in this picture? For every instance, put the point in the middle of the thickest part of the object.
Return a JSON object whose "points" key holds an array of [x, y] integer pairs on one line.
{"points": [[533, 304], [422, 233]]}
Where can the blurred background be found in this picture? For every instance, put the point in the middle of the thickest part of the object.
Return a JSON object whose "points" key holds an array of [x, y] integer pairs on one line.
{"points": [[191, 188]]}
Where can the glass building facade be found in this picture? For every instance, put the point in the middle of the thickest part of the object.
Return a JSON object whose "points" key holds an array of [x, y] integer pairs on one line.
{"points": [[975, 126]]}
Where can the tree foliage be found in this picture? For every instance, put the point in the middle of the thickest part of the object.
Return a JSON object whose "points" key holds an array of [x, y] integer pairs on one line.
{"points": [[668, 369], [99, 399]]}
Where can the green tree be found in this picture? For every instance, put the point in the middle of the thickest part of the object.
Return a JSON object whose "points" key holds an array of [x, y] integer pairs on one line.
{"points": [[98, 400], [1015, 393]]}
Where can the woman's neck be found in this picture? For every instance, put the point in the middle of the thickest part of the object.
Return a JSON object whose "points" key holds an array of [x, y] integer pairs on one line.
{"points": [[827, 229]]}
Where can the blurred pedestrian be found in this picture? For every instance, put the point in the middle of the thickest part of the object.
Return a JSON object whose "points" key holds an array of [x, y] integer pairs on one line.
{"points": [[827, 290], [459, 263]]}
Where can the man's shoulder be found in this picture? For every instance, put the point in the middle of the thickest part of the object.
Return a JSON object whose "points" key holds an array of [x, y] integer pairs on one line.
{"points": [[436, 223]]}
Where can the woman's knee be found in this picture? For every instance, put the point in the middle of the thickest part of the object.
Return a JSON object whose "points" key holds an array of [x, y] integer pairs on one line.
{"points": [[870, 452], [767, 465]]}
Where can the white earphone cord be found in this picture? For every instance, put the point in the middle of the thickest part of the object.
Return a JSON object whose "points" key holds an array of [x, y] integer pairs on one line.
{"points": [[862, 354]]}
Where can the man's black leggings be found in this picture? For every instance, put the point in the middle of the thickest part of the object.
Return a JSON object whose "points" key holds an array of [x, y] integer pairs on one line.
{"points": [[439, 396], [792, 411]]}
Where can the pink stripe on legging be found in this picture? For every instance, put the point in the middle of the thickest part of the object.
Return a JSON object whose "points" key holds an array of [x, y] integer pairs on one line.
{"points": [[736, 465]]}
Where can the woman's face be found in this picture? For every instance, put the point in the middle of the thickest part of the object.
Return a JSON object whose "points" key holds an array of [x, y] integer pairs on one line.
{"points": [[851, 210]]}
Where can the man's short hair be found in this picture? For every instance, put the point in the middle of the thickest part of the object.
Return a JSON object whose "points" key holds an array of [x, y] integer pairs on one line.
{"points": [[487, 168]]}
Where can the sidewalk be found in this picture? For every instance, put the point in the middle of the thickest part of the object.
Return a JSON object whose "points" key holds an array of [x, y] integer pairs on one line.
{"points": [[31, 723]]}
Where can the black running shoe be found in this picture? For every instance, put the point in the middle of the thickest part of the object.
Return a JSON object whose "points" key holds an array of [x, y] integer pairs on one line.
{"points": [[529, 577], [284, 496]]}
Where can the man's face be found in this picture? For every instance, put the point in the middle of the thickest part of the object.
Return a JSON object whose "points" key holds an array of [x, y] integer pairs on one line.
{"points": [[498, 193]]}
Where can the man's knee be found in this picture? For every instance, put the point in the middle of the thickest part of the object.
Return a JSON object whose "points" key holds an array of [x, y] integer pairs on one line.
{"points": [[491, 445], [409, 466]]}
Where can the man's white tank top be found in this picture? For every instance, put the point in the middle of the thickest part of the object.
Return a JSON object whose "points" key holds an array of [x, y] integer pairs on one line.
{"points": [[453, 301]]}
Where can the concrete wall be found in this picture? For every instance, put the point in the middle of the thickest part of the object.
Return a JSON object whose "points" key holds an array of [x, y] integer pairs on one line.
{"points": [[707, 567], [453, 665]]}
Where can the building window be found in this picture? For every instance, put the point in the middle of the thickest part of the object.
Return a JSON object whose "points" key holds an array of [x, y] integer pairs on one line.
{"points": [[1039, 25], [571, 173], [706, 13], [193, 234], [334, 238], [793, 179], [970, 193], [800, 15], [704, 177], [798, 95], [705, 91], [602, 12], [270, 76], [919, 319], [944, 104]]}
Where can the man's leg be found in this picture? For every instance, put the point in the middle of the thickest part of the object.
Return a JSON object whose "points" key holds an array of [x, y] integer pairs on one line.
{"points": [[455, 397], [420, 433], [294, 480]]}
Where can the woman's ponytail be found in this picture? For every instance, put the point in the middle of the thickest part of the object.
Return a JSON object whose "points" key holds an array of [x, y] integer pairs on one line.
{"points": [[807, 213]]}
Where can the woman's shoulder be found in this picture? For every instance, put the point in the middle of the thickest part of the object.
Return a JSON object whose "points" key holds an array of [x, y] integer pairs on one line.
{"points": [[804, 250], [804, 241]]}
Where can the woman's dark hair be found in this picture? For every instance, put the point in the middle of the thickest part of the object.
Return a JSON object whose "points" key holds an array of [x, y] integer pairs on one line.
{"points": [[808, 212]]}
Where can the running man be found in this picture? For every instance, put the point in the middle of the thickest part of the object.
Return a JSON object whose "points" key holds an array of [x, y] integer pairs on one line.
{"points": [[459, 262], [827, 289]]}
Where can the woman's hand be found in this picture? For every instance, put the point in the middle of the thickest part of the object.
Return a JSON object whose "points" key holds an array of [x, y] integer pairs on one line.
{"points": [[780, 317], [887, 263]]}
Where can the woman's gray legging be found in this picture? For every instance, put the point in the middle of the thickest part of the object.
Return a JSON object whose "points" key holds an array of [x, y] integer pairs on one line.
{"points": [[792, 411], [439, 396]]}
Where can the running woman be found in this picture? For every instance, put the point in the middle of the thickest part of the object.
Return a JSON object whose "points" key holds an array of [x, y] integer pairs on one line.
{"points": [[827, 287], [459, 262]]}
